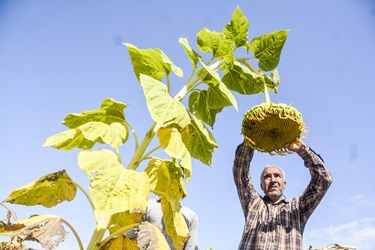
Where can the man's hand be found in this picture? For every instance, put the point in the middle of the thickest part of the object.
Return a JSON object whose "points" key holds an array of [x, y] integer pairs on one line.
{"points": [[296, 146]]}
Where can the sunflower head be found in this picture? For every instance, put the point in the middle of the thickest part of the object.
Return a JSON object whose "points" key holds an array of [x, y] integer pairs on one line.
{"points": [[269, 126]]}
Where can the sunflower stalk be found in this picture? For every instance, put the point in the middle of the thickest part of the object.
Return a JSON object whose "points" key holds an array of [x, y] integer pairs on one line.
{"points": [[266, 95]]}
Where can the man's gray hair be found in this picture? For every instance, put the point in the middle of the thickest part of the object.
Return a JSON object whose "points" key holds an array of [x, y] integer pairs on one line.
{"points": [[273, 166]]}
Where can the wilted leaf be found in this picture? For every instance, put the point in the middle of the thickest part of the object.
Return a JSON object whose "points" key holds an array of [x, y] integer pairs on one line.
{"points": [[238, 28], [151, 238], [114, 189], [48, 191], [48, 231], [267, 49], [163, 108], [6, 229]]}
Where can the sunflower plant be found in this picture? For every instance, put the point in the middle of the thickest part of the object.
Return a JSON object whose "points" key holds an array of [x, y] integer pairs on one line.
{"points": [[223, 62]]}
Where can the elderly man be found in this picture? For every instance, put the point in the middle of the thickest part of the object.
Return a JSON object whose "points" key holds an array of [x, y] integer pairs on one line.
{"points": [[271, 221]]}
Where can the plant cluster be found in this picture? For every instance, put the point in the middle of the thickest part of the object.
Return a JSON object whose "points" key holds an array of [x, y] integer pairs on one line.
{"points": [[119, 190]]}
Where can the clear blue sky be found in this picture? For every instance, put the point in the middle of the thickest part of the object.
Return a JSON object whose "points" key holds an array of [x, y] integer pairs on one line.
{"points": [[60, 57]]}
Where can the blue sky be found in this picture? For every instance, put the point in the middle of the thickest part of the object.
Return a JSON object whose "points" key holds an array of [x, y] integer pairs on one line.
{"points": [[60, 57]]}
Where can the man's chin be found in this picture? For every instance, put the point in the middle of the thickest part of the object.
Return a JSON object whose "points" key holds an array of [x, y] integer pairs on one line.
{"points": [[274, 195]]}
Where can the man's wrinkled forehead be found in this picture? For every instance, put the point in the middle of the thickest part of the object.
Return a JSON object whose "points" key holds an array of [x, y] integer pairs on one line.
{"points": [[272, 170]]}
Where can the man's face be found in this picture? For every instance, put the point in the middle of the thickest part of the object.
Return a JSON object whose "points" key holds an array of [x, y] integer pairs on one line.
{"points": [[273, 183]]}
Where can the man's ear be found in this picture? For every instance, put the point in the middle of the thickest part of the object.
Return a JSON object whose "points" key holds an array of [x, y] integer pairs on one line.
{"points": [[261, 185]]}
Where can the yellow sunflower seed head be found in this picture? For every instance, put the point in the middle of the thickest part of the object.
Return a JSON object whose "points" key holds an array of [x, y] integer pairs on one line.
{"points": [[269, 127]]}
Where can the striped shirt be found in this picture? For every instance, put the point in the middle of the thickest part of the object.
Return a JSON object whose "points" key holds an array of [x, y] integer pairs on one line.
{"points": [[278, 225]]}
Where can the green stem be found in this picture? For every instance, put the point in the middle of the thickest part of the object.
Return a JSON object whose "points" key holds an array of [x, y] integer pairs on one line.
{"points": [[99, 232], [192, 82], [133, 164], [118, 155], [150, 152], [134, 134], [117, 233], [74, 232], [248, 65], [168, 84], [185, 89], [89, 199]]}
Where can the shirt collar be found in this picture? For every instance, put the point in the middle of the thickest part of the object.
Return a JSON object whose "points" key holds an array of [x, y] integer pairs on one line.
{"points": [[282, 199]]}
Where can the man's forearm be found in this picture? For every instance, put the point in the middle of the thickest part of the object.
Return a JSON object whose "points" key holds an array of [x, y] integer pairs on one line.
{"points": [[245, 190]]}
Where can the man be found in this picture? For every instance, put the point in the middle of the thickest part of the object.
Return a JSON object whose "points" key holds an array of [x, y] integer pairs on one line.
{"points": [[271, 221], [154, 215]]}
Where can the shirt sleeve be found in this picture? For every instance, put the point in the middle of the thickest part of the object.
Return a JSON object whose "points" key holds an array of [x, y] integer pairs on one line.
{"points": [[245, 189], [192, 222], [320, 181]]}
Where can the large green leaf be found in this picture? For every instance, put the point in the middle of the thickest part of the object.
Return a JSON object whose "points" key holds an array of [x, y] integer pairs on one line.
{"points": [[69, 139], [178, 71], [175, 224], [238, 28], [192, 55], [114, 134], [85, 136], [104, 125], [215, 42], [124, 219], [242, 80], [120, 243], [199, 106], [199, 141], [109, 112], [151, 62], [267, 49], [166, 179], [215, 81], [159, 175], [113, 188], [163, 108], [48, 191], [171, 142]]}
